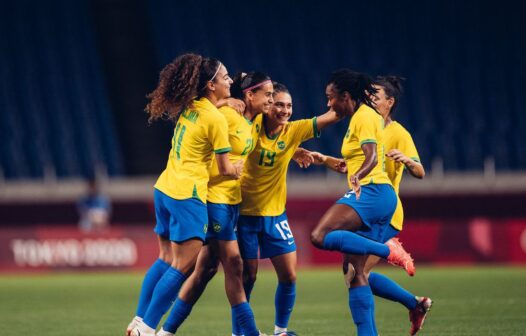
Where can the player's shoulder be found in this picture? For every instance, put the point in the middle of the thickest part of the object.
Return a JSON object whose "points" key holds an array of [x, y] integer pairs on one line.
{"points": [[399, 128]]}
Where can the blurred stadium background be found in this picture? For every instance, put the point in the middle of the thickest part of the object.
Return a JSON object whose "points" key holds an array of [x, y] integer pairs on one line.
{"points": [[74, 75]]}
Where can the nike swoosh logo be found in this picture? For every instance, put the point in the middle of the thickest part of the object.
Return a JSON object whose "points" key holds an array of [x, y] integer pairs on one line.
{"points": [[290, 243]]}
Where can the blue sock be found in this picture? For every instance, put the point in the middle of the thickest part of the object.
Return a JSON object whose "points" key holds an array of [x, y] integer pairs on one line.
{"points": [[360, 305], [245, 319], [373, 319], [178, 314], [384, 287], [236, 327], [352, 243], [284, 302], [151, 278], [163, 296]]}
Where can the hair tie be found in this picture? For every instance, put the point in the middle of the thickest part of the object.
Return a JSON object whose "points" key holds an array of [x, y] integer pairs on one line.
{"points": [[257, 85]]}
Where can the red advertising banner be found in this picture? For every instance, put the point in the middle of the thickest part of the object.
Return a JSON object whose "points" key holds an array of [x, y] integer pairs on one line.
{"points": [[48, 248], [477, 240]]}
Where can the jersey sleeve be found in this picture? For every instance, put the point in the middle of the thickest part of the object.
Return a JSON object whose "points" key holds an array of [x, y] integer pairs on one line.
{"points": [[231, 117], [365, 128], [218, 134], [407, 146], [304, 129]]}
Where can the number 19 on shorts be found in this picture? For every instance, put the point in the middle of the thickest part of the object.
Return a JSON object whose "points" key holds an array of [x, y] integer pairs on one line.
{"points": [[284, 230]]}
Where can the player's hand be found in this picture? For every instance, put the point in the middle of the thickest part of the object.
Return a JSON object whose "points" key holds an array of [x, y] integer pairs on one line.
{"points": [[236, 104], [238, 167], [340, 166], [356, 187], [396, 155], [303, 157]]}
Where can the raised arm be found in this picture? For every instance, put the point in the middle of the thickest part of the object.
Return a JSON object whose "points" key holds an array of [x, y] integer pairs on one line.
{"points": [[328, 118]]}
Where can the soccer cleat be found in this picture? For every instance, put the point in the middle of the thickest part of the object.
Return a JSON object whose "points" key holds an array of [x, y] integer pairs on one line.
{"points": [[399, 257], [287, 333], [163, 332], [141, 329], [136, 320], [417, 315]]}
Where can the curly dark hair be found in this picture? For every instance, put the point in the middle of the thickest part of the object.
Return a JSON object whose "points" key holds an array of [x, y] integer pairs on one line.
{"points": [[357, 84], [180, 82]]}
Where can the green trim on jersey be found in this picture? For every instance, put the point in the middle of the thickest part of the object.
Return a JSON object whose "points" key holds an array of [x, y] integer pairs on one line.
{"points": [[366, 141], [223, 150], [316, 131]]}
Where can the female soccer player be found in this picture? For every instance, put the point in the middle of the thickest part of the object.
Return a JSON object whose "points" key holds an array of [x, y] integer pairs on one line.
{"points": [[358, 223], [224, 196], [191, 84], [263, 225], [402, 155]]}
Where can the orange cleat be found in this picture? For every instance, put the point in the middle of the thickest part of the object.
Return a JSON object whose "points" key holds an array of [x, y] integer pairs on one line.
{"points": [[399, 257]]}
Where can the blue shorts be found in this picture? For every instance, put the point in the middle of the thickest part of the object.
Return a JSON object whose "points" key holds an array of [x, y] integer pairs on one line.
{"points": [[389, 233], [222, 221], [375, 207], [271, 235], [179, 220]]}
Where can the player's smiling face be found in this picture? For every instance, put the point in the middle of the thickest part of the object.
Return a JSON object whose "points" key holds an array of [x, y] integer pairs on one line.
{"points": [[282, 108], [261, 100], [222, 83], [382, 103], [341, 103]]}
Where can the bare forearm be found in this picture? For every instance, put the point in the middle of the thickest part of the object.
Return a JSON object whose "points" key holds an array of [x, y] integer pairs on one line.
{"points": [[416, 169]]}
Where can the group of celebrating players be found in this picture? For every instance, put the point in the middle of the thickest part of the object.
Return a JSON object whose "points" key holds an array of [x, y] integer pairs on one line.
{"points": [[221, 198]]}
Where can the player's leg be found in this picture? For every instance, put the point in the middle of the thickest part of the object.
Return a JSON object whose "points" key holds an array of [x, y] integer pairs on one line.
{"points": [[205, 269], [161, 265], [335, 232], [339, 227], [361, 302], [248, 229], [187, 235], [387, 288], [285, 266], [233, 265], [152, 276]]}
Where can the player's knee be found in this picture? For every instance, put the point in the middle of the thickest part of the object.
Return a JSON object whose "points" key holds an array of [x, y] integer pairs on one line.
{"points": [[317, 237], [234, 265], [288, 278]]}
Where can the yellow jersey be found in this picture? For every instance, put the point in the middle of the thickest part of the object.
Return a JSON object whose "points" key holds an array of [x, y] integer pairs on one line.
{"points": [[397, 137], [200, 132], [366, 126], [242, 135], [264, 178]]}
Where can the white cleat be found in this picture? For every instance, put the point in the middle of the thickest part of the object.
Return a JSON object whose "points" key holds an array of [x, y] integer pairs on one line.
{"points": [[142, 330], [136, 320]]}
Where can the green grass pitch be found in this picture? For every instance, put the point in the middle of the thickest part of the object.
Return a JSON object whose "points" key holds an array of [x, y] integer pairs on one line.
{"points": [[468, 301]]}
